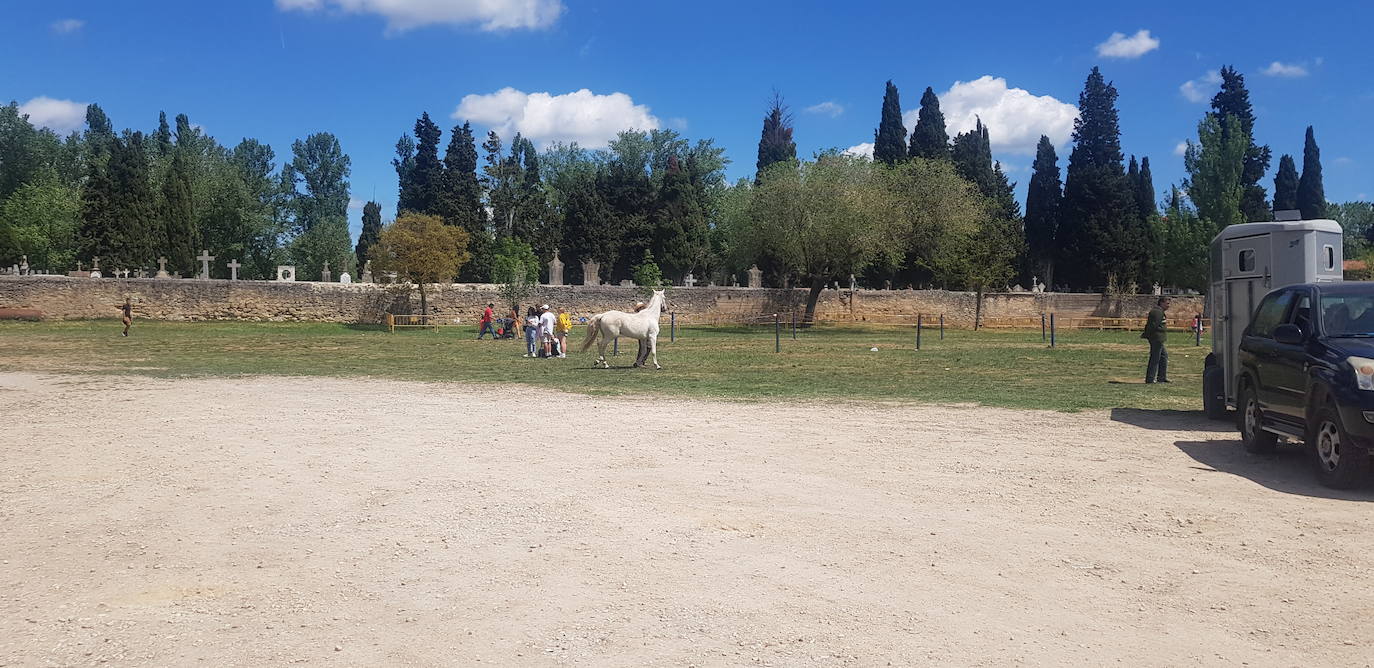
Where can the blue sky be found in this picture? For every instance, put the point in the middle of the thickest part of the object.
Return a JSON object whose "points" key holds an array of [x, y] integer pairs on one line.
{"points": [[278, 70]]}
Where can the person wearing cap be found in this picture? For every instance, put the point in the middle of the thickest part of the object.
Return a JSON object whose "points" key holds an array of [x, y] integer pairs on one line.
{"points": [[547, 321]]}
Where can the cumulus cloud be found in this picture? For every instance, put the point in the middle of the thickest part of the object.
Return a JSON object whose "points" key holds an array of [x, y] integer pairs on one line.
{"points": [[1180, 148], [581, 116], [1285, 70], [1200, 90], [67, 26], [827, 108], [864, 150], [60, 116], [1015, 118], [1343, 161], [403, 15], [1118, 45]]}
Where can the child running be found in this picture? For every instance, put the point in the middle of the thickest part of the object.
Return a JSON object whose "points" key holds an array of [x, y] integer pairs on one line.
{"points": [[128, 319]]}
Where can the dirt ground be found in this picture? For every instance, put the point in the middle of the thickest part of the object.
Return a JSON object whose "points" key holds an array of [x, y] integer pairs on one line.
{"points": [[276, 521]]}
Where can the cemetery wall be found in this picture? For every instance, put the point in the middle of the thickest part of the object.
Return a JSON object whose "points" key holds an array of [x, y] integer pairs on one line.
{"points": [[63, 298]]}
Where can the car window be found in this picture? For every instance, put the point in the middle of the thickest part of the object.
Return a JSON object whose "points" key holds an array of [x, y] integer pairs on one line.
{"points": [[1302, 313], [1270, 314], [1348, 315], [1247, 260]]}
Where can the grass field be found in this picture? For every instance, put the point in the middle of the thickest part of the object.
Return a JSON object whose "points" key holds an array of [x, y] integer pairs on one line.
{"points": [[994, 368]]}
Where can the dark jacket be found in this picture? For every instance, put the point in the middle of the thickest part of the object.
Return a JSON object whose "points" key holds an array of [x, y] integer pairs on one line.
{"points": [[1155, 329]]}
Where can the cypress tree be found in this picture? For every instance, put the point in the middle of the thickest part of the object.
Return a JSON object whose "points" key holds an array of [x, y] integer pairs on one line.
{"points": [[775, 144], [461, 202], [1286, 185], [929, 139], [372, 230], [164, 135], [1044, 200], [179, 233], [1145, 191], [1311, 193], [133, 236], [404, 163], [1099, 229], [1234, 100], [421, 192], [1133, 176], [889, 140], [680, 229]]}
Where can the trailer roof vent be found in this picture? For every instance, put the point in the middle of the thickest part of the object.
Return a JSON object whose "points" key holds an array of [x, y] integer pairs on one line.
{"points": [[1287, 215]]}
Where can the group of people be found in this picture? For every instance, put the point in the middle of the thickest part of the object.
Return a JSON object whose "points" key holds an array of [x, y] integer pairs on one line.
{"points": [[546, 332]]}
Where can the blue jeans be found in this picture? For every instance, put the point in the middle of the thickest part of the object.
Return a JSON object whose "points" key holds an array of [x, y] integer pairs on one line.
{"points": [[531, 339], [486, 327]]}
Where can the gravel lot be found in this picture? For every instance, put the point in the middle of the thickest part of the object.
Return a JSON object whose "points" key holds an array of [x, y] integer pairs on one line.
{"points": [[271, 521]]}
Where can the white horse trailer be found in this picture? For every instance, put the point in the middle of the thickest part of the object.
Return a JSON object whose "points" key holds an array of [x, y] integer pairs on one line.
{"points": [[1248, 261]]}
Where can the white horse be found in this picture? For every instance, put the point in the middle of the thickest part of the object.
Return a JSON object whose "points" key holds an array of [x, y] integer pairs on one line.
{"points": [[641, 326]]}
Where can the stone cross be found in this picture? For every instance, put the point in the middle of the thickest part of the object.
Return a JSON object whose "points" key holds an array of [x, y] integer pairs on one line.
{"points": [[205, 259], [367, 271], [690, 281], [325, 276], [755, 277], [234, 269], [555, 270], [162, 268], [78, 265], [591, 273]]}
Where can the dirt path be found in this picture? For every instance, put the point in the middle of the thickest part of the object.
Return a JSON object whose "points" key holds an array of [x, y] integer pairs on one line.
{"points": [[270, 521]]}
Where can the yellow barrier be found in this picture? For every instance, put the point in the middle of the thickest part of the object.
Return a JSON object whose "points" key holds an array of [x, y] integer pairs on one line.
{"points": [[405, 320]]}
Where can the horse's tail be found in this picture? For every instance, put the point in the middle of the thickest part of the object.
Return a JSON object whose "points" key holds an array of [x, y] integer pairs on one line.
{"points": [[593, 329]]}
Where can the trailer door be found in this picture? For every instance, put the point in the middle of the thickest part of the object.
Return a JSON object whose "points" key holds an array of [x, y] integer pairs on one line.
{"points": [[1246, 268]]}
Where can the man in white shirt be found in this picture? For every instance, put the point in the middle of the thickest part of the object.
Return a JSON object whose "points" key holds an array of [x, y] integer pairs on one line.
{"points": [[546, 325]]}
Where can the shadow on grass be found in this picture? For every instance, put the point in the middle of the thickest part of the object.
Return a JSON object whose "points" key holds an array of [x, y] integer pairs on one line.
{"points": [[1171, 420], [1287, 470]]}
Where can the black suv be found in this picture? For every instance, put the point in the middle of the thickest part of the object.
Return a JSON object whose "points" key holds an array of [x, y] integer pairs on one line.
{"points": [[1307, 374]]}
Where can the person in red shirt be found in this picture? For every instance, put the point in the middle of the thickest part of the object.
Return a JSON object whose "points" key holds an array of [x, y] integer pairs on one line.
{"points": [[486, 324]]}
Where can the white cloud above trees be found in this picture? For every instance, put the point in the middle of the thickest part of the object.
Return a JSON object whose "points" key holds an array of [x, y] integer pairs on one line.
{"points": [[60, 116], [1119, 45], [864, 150], [827, 108], [403, 15], [1285, 70], [1014, 116], [1199, 90], [67, 26], [581, 116]]}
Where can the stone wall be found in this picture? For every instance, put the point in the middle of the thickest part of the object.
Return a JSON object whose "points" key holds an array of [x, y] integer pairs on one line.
{"points": [[63, 298]]}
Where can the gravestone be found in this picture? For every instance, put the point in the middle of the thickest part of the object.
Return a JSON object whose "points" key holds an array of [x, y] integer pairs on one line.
{"points": [[162, 268], [23, 265], [141, 273], [234, 269], [555, 270], [627, 283], [205, 259], [853, 285], [345, 278], [591, 273], [690, 281], [367, 271], [734, 281], [755, 277], [95, 267], [286, 272], [78, 273], [325, 276]]}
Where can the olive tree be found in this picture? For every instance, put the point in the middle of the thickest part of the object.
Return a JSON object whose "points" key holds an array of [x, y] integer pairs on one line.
{"points": [[421, 250]]}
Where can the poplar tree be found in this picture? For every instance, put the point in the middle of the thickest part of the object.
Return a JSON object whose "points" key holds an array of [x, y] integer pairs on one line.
{"points": [[1233, 100], [889, 140], [929, 139], [1311, 193], [1286, 185]]}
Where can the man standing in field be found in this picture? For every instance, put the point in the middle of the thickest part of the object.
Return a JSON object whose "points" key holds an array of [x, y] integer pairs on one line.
{"points": [[547, 322], [486, 324], [1156, 332]]}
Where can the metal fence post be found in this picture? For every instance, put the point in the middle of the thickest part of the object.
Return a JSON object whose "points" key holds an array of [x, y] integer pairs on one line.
{"points": [[1042, 327], [918, 331], [672, 327], [1051, 330], [777, 333], [942, 327], [1197, 330], [794, 324]]}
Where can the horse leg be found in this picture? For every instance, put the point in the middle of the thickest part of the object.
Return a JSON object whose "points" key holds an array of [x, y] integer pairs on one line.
{"points": [[601, 354], [653, 350]]}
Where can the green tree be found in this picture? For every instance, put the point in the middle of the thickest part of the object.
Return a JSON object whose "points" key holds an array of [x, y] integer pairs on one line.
{"points": [[404, 164], [1286, 185], [516, 269], [1311, 192], [929, 139], [421, 191], [1145, 191], [164, 135], [1357, 220], [1182, 240], [320, 227], [775, 144], [40, 220], [588, 219], [119, 218], [1099, 233], [461, 201], [1214, 165], [889, 140], [421, 250], [1044, 203], [180, 236], [680, 228], [501, 179], [371, 231], [647, 275], [1233, 100]]}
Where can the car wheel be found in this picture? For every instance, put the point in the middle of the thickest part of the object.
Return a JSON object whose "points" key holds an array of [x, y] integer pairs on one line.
{"points": [[1249, 419], [1339, 462]]}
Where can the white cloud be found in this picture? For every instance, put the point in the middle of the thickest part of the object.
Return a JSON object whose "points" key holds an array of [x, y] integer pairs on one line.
{"points": [[356, 204], [403, 15], [582, 116], [1285, 70], [827, 108], [1015, 118], [1118, 45], [1180, 148], [67, 26], [864, 150], [1343, 161], [60, 116], [1199, 90], [678, 123]]}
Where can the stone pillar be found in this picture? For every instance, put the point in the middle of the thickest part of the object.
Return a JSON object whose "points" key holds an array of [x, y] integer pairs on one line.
{"points": [[591, 273], [367, 272], [555, 270], [755, 277], [325, 276]]}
